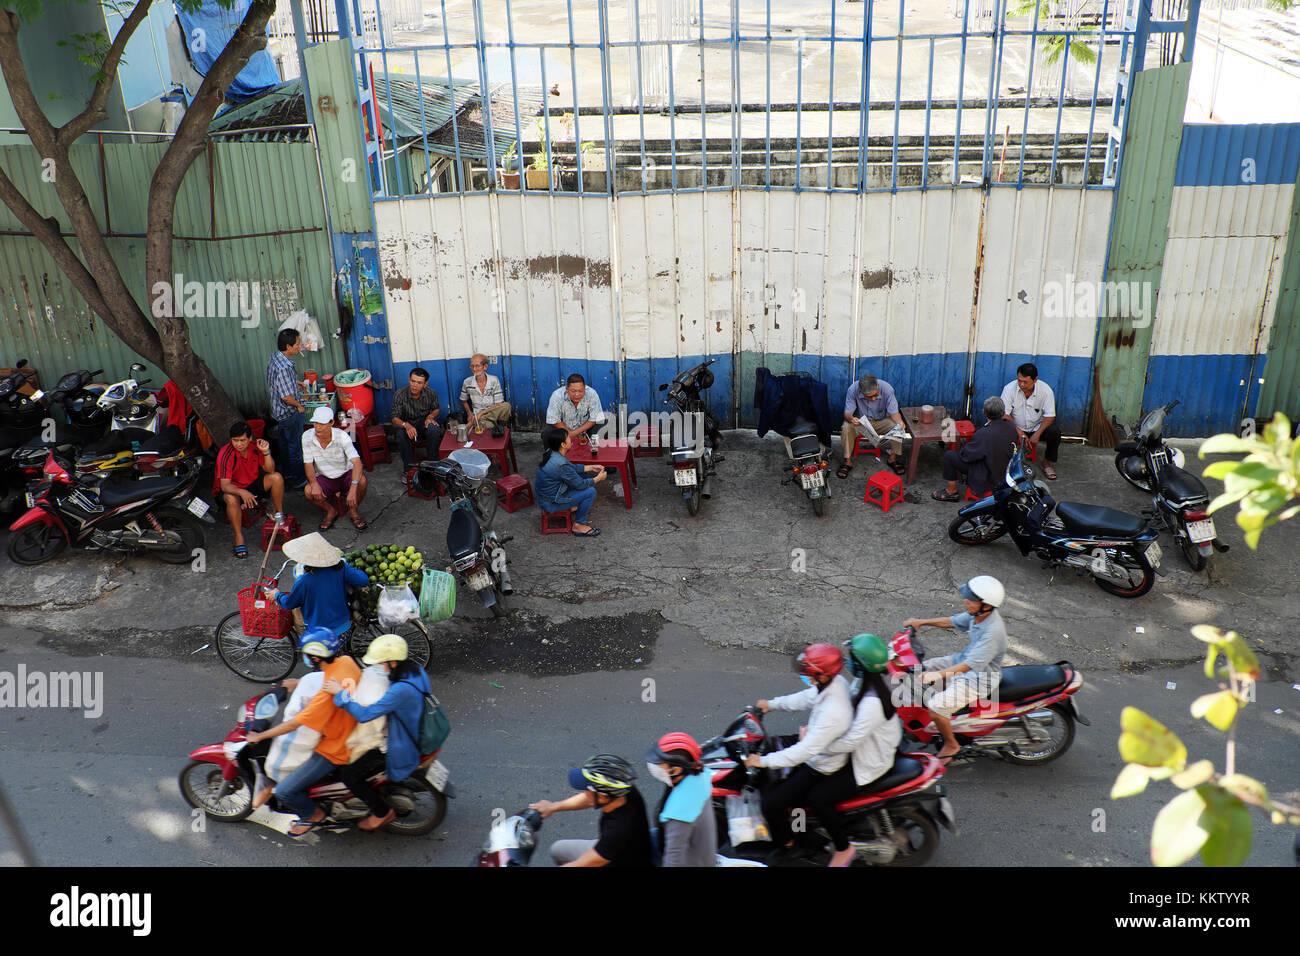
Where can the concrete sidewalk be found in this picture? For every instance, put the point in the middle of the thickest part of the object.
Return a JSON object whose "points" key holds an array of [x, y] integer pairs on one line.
{"points": [[755, 569]]}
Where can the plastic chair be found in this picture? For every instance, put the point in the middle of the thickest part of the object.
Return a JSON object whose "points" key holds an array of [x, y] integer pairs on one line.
{"points": [[890, 487], [557, 522], [514, 492]]}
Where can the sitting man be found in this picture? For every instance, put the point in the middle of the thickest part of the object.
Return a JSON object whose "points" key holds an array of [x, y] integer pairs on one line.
{"points": [[327, 453], [575, 408], [976, 670], [243, 474], [982, 461], [869, 400], [1031, 405], [415, 413], [482, 398]]}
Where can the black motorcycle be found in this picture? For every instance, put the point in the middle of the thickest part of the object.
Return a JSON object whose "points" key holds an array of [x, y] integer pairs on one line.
{"points": [[477, 557], [84, 422], [1179, 501], [1118, 549], [16, 409], [695, 436]]}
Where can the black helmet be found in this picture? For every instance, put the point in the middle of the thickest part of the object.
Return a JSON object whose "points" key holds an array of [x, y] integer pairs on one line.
{"points": [[604, 773]]}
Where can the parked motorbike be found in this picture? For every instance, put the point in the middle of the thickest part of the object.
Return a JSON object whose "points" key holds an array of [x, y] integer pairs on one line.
{"points": [[85, 422], [477, 557], [16, 409], [893, 821], [132, 405], [220, 780], [1030, 720], [1118, 549], [808, 466], [511, 841], [1179, 500], [157, 515], [694, 446]]}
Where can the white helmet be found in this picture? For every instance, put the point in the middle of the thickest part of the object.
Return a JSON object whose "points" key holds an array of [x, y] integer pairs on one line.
{"points": [[984, 588]]}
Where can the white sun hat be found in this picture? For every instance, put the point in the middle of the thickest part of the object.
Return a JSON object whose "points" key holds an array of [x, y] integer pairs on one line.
{"points": [[313, 551]]}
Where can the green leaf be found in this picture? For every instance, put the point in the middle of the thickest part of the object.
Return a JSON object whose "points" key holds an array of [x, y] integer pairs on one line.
{"points": [[1227, 443], [1132, 780], [1195, 775], [1226, 821], [1208, 633], [1176, 835], [1240, 657], [1243, 787], [1219, 469], [1220, 709], [1148, 742]]}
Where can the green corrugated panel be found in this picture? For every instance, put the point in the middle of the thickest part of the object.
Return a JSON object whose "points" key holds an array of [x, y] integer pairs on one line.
{"points": [[342, 145], [1281, 389], [1140, 227]]}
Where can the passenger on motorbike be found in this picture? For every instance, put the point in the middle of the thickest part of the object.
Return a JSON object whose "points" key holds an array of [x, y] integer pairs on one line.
{"points": [[876, 732], [604, 782], [403, 704], [687, 827], [321, 591], [812, 782], [976, 670], [319, 648]]}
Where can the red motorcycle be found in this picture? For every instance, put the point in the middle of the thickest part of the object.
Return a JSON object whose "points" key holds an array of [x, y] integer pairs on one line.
{"points": [[891, 822], [1029, 720], [219, 780]]}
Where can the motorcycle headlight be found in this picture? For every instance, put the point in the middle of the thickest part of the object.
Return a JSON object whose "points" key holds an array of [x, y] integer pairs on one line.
{"points": [[1177, 457]]}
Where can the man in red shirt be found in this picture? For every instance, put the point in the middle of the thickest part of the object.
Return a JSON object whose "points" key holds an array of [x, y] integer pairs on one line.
{"points": [[244, 472]]}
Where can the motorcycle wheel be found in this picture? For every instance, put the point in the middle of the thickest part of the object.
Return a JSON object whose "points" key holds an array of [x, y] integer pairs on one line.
{"points": [[36, 544], [187, 528], [1139, 485], [262, 660], [1060, 736], [1129, 589], [498, 606], [485, 503], [201, 782], [819, 507], [922, 838], [976, 530], [428, 807], [414, 633], [693, 502], [1190, 551]]}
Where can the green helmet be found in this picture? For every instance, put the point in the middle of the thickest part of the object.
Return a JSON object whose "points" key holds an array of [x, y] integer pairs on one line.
{"points": [[868, 653]]}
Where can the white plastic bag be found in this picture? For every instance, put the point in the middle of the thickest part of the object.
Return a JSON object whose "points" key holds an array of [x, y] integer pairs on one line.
{"points": [[306, 326], [397, 605], [745, 823], [373, 734]]}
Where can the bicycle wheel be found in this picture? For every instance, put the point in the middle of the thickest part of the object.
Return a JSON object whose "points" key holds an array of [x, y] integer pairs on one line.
{"points": [[414, 633], [263, 660]]}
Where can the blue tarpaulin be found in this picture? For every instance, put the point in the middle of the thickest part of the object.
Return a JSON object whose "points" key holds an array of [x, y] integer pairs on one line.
{"points": [[208, 30]]}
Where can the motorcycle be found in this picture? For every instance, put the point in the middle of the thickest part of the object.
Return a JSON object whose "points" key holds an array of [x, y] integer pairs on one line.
{"points": [[1029, 722], [1179, 500], [158, 515], [220, 780], [693, 455], [16, 409], [132, 405], [511, 841], [893, 821], [1118, 549], [477, 557], [85, 422], [808, 466]]}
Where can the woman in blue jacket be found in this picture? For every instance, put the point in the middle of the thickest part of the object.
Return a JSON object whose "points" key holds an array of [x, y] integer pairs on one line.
{"points": [[563, 486], [403, 704]]}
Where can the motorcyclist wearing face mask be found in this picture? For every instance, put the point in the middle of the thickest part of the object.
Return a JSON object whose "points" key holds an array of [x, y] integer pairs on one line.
{"points": [[810, 783], [687, 826], [319, 647]]}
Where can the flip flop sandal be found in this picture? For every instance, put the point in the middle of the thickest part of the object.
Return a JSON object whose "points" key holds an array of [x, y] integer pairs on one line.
{"points": [[587, 534], [897, 467], [945, 496], [306, 826], [1049, 473], [358, 522], [844, 470], [240, 550], [328, 523]]}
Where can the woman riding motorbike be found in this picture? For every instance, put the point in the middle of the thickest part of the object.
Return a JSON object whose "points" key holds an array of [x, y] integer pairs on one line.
{"points": [[686, 822]]}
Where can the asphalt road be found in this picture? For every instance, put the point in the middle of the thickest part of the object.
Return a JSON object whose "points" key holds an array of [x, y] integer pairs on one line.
{"points": [[102, 792]]}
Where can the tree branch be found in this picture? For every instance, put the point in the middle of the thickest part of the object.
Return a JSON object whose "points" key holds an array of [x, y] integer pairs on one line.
{"points": [[95, 112]]}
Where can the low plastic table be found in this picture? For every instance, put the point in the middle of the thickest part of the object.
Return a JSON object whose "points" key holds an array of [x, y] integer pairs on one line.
{"points": [[502, 449], [921, 433], [611, 454]]}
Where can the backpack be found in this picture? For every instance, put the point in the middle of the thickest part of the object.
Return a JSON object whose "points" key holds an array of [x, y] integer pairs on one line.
{"points": [[434, 725]]}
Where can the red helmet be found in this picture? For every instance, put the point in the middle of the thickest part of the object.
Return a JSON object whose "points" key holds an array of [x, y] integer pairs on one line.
{"points": [[820, 660], [662, 751]]}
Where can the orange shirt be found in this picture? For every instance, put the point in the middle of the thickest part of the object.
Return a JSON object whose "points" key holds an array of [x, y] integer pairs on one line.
{"points": [[334, 724]]}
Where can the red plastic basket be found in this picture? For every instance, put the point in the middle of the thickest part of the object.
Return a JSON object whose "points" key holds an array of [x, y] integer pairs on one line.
{"points": [[261, 617]]}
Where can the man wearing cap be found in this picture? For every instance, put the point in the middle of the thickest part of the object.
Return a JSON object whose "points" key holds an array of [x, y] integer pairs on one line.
{"points": [[869, 400], [333, 468], [321, 591]]}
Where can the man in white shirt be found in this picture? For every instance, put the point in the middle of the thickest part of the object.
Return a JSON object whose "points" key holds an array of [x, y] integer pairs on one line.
{"points": [[333, 467], [575, 407], [1031, 406]]}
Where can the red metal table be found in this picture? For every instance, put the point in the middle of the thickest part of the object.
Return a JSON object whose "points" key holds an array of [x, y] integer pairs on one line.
{"points": [[611, 454], [502, 449]]}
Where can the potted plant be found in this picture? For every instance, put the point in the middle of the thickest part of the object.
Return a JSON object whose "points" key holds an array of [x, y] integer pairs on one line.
{"points": [[509, 171], [593, 157]]}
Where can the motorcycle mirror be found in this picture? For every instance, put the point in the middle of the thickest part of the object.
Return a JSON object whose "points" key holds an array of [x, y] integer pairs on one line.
{"points": [[22, 363], [137, 367]]}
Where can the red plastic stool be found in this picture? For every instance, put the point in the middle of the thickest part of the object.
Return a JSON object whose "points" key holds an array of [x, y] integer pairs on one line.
{"points": [[250, 516], [288, 530], [646, 442], [860, 447], [514, 492], [1032, 454], [965, 432], [372, 443], [557, 522], [890, 487], [971, 496]]}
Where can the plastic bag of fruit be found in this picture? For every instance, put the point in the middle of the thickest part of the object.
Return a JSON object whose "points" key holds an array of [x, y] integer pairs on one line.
{"points": [[437, 596]]}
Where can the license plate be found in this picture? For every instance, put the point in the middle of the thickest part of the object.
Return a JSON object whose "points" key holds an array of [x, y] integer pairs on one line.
{"points": [[31, 502], [1201, 531], [684, 476], [816, 480], [479, 580], [1154, 554], [197, 507], [437, 775]]}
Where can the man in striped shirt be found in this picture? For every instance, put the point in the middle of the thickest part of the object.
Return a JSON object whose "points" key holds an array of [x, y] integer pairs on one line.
{"points": [[482, 398], [245, 471], [286, 404]]}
